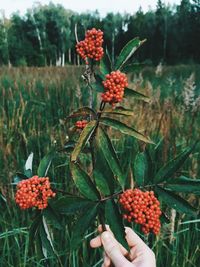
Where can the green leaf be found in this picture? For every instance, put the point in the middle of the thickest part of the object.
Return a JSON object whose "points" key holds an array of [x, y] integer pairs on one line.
{"points": [[34, 228], [132, 93], [71, 204], [45, 164], [52, 217], [83, 111], [168, 170], [47, 244], [82, 226], [127, 52], [114, 219], [83, 182], [125, 129], [175, 201], [105, 65], [83, 139], [119, 111], [110, 155], [134, 67], [184, 184], [140, 168], [102, 172]]}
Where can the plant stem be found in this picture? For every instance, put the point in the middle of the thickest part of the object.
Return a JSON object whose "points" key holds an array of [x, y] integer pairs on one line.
{"points": [[111, 196], [102, 222]]}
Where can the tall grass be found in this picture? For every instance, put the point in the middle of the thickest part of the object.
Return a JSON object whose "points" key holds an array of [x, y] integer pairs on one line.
{"points": [[34, 103]]}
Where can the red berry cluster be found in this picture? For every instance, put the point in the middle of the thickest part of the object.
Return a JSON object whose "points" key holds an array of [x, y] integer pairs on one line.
{"points": [[91, 47], [81, 124], [34, 192], [142, 208], [114, 86]]}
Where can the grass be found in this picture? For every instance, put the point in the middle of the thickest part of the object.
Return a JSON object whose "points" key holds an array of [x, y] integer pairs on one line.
{"points": [[34, 103]]}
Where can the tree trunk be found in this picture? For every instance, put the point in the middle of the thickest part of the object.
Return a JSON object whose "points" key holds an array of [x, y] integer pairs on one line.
{"points": [[69, 55], [63, 59]]}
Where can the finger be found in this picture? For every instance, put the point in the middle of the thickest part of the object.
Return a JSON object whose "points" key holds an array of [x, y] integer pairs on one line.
{"points": [[97, 242], [112, 249], [100, 228], [106, 261], [133, 239]]}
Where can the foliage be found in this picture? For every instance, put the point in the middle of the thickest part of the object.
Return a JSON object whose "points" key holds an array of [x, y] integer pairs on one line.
{"points": [[45, 35]]}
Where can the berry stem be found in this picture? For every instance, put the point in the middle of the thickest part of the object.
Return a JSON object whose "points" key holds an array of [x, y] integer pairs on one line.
{"points": [[111, 196]]}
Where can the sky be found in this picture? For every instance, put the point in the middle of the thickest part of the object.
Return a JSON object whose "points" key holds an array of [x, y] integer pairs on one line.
{"points": [[103, 6]]}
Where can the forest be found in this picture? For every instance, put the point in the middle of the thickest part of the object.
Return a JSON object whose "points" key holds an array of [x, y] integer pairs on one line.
{"points": [[46, 35]]}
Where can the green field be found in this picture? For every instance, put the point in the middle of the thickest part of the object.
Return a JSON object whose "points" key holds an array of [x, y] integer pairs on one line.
{"points": [[34, 104]]}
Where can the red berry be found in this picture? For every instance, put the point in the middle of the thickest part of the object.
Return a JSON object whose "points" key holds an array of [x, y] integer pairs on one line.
{"points": [[33, 192], [142, 208]]}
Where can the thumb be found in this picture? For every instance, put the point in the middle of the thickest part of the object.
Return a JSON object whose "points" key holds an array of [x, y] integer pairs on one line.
{"points": [[112, 249]]}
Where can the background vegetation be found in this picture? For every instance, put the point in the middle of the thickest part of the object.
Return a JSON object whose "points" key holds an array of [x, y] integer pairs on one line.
{"points": [[34, 104], [36, 97], [46, 34]]}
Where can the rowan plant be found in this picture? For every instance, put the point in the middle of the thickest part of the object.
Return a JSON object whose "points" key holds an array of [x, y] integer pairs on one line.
{"points": [[104, 193]]}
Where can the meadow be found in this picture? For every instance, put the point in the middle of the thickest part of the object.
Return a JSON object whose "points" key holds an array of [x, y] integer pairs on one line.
{"points": [[34, 105]]}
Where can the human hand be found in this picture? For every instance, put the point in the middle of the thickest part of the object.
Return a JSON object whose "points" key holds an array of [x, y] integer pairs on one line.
{"points": [[140, 255]]}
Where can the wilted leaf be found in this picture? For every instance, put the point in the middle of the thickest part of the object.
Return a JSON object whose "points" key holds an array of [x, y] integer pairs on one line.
{"points": [[83, 139], [29, 162], [83, 111]]}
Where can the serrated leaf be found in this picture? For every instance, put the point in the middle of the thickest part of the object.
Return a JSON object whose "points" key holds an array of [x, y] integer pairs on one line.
{"points": [[70, 205], [83, 139], [82, 226], [132, 93], [102, 173], [175, 201], [83, 182], [134, 67], [125, 129], [119, 111], [52, 217], [168, 170], [105, 65], [83, 111], [110, 155], [114, 219], [140, 168], [184, 184], [45, 164], [127, 51], [29, 162]]}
